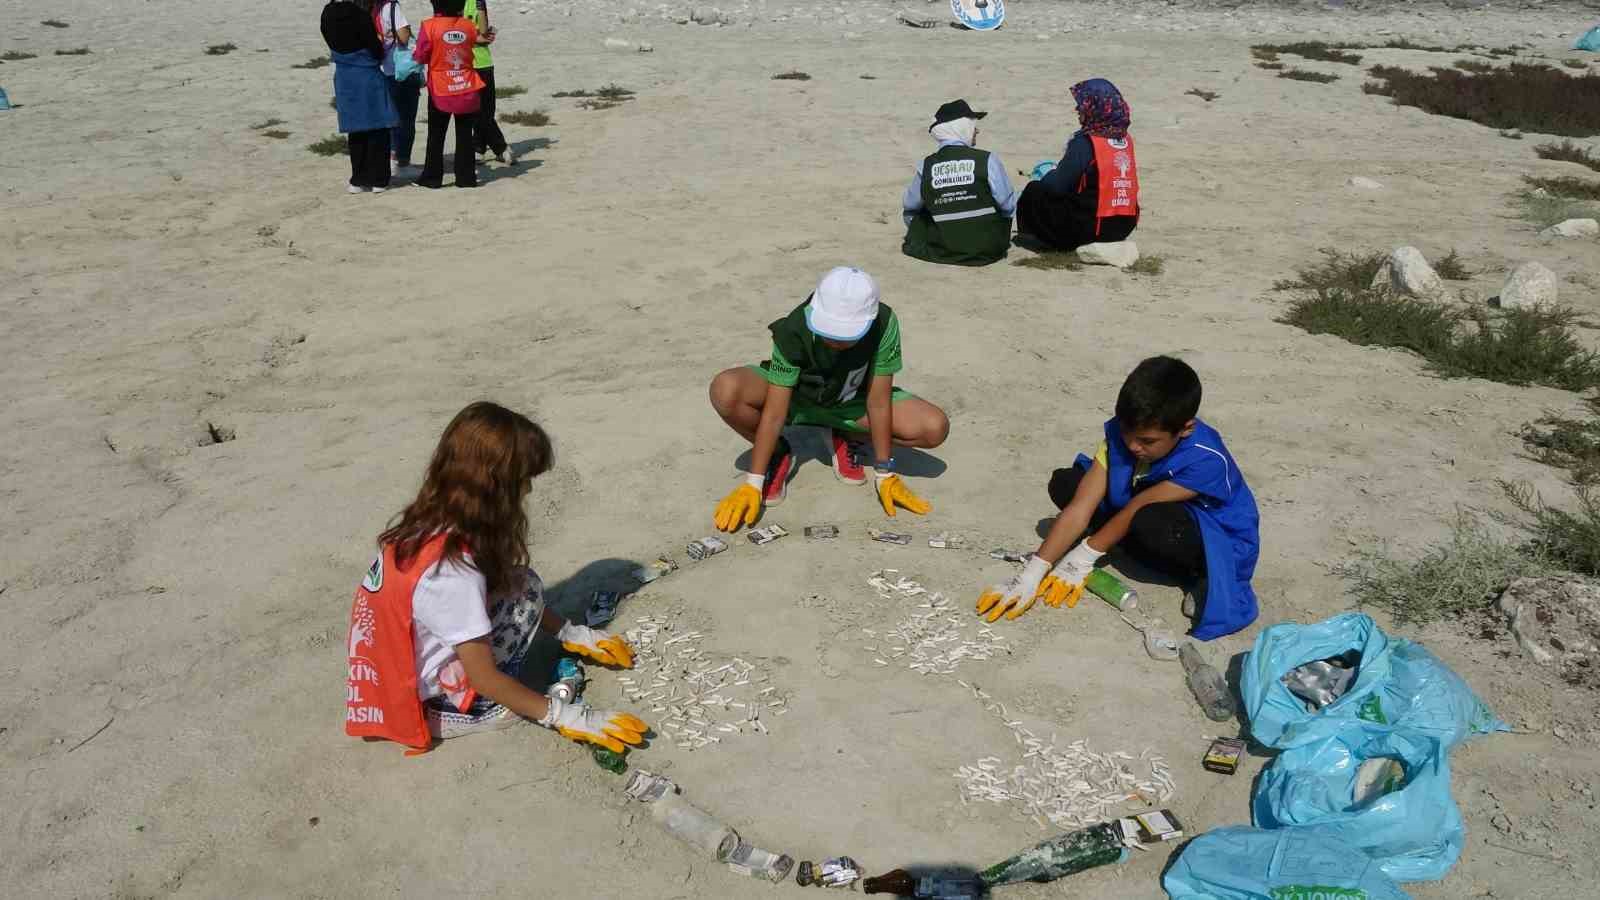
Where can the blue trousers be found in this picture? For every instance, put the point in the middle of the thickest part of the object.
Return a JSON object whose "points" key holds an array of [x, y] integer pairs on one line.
{"points": [[402, 136]]}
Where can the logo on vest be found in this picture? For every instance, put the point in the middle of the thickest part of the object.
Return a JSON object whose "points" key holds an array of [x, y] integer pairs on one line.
{"points": [[453, 36], [374, 580], [1118, 143], [363, 627], [1122, 161], [953, 172]]}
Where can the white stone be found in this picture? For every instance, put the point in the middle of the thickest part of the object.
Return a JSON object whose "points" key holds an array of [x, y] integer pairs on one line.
{"points": [[1365, 184], [1573, 228], [1121, 254], [618, 44], [1407, 272], [1529, 284]]}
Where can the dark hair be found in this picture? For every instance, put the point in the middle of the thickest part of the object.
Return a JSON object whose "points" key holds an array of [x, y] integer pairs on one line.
{"points": [[473, 493], [449, 7], [1161, 392]]}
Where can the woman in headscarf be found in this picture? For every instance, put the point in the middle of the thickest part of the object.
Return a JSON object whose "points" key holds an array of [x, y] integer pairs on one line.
{"points": [[1092, 195], [360, 91]]}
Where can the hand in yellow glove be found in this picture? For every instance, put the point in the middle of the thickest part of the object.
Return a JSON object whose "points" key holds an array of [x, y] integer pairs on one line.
{"points": [[603, 647], [1015, 597], [893, 492], [742, 505], [1065, 582], [610, 730]]}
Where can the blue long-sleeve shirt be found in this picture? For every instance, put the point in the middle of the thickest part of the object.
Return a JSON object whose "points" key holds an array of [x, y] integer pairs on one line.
{"points": [[1063, 180], [1005, 197]]}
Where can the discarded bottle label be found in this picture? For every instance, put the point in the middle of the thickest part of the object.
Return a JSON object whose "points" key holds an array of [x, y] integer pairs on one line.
{"points": [[706, 546], [1010, 555], [1223, 756], [648, 573], [758, 863], [889, 537], [944, 541], [837, 872], [767, 534], [603, 606], [822, 532]]}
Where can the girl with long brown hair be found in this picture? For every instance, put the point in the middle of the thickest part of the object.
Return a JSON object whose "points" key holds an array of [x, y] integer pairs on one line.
{"points": [[446, 613]]}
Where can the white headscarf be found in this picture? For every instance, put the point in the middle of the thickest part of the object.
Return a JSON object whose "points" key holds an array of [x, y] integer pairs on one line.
{"points": [[963, 130]]}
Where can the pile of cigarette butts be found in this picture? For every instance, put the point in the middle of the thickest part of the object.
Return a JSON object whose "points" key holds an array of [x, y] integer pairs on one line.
{"points": [[932, 642], [701, 699], [1062, 786]]}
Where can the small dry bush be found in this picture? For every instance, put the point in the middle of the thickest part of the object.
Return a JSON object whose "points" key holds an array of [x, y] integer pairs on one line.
{"points": [[1575, 64], [532, 118], [1566, 187], [1544, 210], [597, 104], [1568, 539], [1475, 66], [315, 62], [1523, 96], [1567, 151], [54, 23], [1264, 54], [16, 56], [1270, 66], [1051, 261], [1207, 96], [612, 92], [276, 134], [1568, 443], [221, 49], [1148, 265], [267, 124], [75, 51], [1309, 50], [1511, 135], [791, 75], [1451, 268], [332, 145], [1304, 75], [510, 90]]}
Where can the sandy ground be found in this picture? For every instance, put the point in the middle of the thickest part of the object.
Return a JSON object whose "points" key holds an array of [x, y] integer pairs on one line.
{"points": [[166, 269]]}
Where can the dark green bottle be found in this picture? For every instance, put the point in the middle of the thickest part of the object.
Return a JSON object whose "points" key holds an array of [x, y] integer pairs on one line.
{"points": [[1066, 854], [611, 761]]}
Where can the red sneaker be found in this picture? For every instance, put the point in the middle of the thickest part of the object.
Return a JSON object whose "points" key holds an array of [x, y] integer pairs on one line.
{"points": [[846, 460], [778, 472]]}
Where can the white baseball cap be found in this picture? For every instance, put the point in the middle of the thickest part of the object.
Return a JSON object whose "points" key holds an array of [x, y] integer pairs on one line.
{"points": [[844, 305]]}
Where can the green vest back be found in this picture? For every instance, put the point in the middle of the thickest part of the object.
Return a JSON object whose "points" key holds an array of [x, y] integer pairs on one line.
{"points": [[828, 377], [959, 222], [481, 57]]}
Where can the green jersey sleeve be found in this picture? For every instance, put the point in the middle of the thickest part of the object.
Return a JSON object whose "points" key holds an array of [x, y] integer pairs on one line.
{"points": [[783, 373], [887, 359]]}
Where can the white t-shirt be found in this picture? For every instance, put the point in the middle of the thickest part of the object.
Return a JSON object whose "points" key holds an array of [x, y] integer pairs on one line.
{"points": [[386, 10], [448, 607]]}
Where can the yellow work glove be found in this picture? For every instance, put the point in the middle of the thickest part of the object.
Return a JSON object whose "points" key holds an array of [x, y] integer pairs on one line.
{"points": [[742, 505], [892, 492], [1014, 597], [1065, 582], [610, 730], [603, 647]]}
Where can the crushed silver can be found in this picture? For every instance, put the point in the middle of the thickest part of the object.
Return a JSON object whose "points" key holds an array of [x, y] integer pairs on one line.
{"points": [[705, 547]]}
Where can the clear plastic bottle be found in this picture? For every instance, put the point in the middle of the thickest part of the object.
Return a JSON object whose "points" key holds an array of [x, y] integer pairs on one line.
{"points": [[1207, 684]]}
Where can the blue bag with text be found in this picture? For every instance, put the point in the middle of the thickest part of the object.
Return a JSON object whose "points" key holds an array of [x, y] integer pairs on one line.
{"points": [[1240, 863]]}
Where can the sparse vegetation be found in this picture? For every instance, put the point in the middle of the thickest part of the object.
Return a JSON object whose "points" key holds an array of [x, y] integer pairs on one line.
{"points": [[1569, 540], [1451, 268], [221, 49], [332, 145], [1306, 75], [75, 51], [868, 77], [1511, 135], [267, 124], [1567, 151], [1566, 187], [276, 134], [1148, 265], [502, 92], [54, 23], [614, 93], [1575, 64], [1543, 209], [1475, 66], [1567, 443], [1308, 50], [1207, 96], [791, 75], [315, 62], [16, 56], [536, 118], [1263, 54], [1051, 261], [597, 104], [1522, 96], [1270, 66]]}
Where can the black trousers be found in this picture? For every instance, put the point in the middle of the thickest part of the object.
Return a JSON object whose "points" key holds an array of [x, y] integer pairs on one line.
{"points": [[1163, 536], [432, 174], [369, 158], [489, 135], [1064, 225]]}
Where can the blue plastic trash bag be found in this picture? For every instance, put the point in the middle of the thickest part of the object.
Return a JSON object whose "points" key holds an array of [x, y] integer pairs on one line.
{"points": [[5, 102], [1397, 683], [1407, 823], [1042, 169], [1590, 40], [1289, 864]]}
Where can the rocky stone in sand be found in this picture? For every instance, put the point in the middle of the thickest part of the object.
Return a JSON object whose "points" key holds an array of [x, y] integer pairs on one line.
{"points": [[1363, 184], [1407, 272], [709, 15], [1121, 254], [1529, 284], [1554, 621], [1573, 228]]}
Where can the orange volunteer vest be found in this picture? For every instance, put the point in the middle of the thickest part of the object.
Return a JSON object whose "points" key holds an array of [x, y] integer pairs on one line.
{"points": [[450, 71], [381, 691], [1119, 178]]}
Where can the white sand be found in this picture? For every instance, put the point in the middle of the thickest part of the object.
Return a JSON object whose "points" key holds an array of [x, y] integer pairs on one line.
{"points": [[165, 267]]}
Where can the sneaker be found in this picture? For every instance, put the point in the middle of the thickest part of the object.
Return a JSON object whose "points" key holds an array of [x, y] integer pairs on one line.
{"points": [[352, 189], [379, 190], [846, 459], [500, 156], [778, 472]]}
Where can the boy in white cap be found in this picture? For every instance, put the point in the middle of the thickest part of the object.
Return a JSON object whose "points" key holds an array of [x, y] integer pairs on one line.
{"points": [[833, 362]]}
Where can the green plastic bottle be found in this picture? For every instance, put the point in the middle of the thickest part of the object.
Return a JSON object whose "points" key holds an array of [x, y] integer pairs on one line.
{"points": [[611, 761], [1062, 855], [1110, 588]]}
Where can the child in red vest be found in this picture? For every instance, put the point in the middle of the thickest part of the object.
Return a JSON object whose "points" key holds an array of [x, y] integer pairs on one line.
{"points": [[444, 616]]}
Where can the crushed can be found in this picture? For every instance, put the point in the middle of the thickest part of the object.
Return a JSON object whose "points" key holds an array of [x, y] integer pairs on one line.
{"points": [[835, 872], [1010, 555], [758, 863], [944, 541], [767, 534], [648, 573], [889, 537], [822, 532], [705, 547]]}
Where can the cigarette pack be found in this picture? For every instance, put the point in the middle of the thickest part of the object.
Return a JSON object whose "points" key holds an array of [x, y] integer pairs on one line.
{"points": [[767, 534], [889, 537], [943, 541], [1223, 756], [822, 532], [648, 573], [1009, 555], [1151, 827]]}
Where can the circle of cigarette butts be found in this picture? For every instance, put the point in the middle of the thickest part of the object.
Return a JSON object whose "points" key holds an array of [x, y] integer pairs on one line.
{"points": [[699, 700]]}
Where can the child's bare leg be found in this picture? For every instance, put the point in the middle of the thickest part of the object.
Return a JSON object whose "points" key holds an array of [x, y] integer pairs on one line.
{"points": [[738, 394], [917, 423]]}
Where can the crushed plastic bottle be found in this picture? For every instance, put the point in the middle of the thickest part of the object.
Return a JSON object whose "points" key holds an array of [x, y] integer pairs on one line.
{"points": [[1207, 684]]}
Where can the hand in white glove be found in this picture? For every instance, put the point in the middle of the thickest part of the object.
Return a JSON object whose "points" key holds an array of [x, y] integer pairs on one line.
{"points": [[1014, 597], [1066, 579], [601, 646], [610, 730]]}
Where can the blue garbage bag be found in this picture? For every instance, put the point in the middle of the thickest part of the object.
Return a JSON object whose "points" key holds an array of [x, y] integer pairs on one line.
{"points": [[1397, 683], [1240, 863], [1413, 831], [1590, 40]]}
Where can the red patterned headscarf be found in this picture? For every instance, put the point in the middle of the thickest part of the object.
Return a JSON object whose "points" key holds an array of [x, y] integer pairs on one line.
{"points": [[1101, 110]]}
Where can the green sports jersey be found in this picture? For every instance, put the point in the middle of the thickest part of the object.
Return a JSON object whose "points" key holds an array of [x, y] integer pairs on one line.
{"points": [[482, 57], [821, 375]]}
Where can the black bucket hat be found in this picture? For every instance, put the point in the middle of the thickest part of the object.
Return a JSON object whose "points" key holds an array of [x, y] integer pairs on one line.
{"points": [[955, 109]]}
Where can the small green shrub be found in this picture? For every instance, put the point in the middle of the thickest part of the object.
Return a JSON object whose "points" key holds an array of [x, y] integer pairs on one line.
{"points": [[1567, 539], [1567, 151], [276, 134], [315, 62], [1337, 271], [1451, 268], [502, 92], [16, 56], [792, 75], [536, 118], [1575, 64], [1148, 265], [76, 51], [1567, 187], [1051, 261], [1304, 75], [1567, 443], [267, 124], [54, 23], [333, 145], [221, 49], [1270, 66], [1522, 96], [1310, 50], [1543, 210]]}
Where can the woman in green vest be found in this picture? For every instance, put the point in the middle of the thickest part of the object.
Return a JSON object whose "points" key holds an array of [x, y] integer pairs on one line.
{"points": [[959, 204], [487, 132]]}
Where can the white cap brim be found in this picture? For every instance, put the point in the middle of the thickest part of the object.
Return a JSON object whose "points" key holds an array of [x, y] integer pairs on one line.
{"points": [[834, 328]]}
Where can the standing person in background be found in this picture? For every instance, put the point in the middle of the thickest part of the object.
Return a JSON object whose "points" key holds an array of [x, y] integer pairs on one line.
{"points": [[396, 32], [454, 88], [366, 111], [489, 136]]}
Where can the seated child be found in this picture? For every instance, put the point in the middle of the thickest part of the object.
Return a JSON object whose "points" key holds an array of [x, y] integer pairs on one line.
{"points": [[834, 358], [1163, 486], [445, 614]]}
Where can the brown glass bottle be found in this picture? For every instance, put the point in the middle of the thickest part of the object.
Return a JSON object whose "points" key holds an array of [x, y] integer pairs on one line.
{"points": [[898, 881]]}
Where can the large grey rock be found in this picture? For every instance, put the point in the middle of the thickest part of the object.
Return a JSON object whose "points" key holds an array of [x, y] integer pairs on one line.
{"points": [[1121, 254], [1573, 228], [1407, 272], [1529, 284]]}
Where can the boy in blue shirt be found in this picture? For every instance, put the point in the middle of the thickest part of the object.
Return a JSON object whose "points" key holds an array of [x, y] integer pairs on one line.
{"points": [[1164, 487]]}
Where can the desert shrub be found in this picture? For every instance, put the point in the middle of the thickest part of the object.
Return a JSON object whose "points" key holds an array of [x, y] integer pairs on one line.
{"points": [[501, 92], [315, 62], [17, 56], [1519, 346], [1337, 271], [1305, 75], [1451, 268], [1148, 265], [612, 92], [267, 124], [1207, 96], [1270, 66], [54, 23], [1522, 96], [1310, 50], [221, 49], [1567, 187], [1567, 151], [1566, 539], [75, 51], [792, 75], [332, 145], [1475, 66], [1575, 64], [1374, 319], [1567, 443], [1051, 261], [532, 118], [276, 134], [1544, 210]]}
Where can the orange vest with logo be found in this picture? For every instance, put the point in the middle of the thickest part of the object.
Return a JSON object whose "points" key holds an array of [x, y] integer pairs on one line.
{"points": [[381, 691], [1119, 178], [450, 71]]}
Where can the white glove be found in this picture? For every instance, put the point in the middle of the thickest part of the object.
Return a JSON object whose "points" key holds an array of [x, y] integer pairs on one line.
{"points": [[1077, 564], [607, 729], [603, 647], [1014, 597]]}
